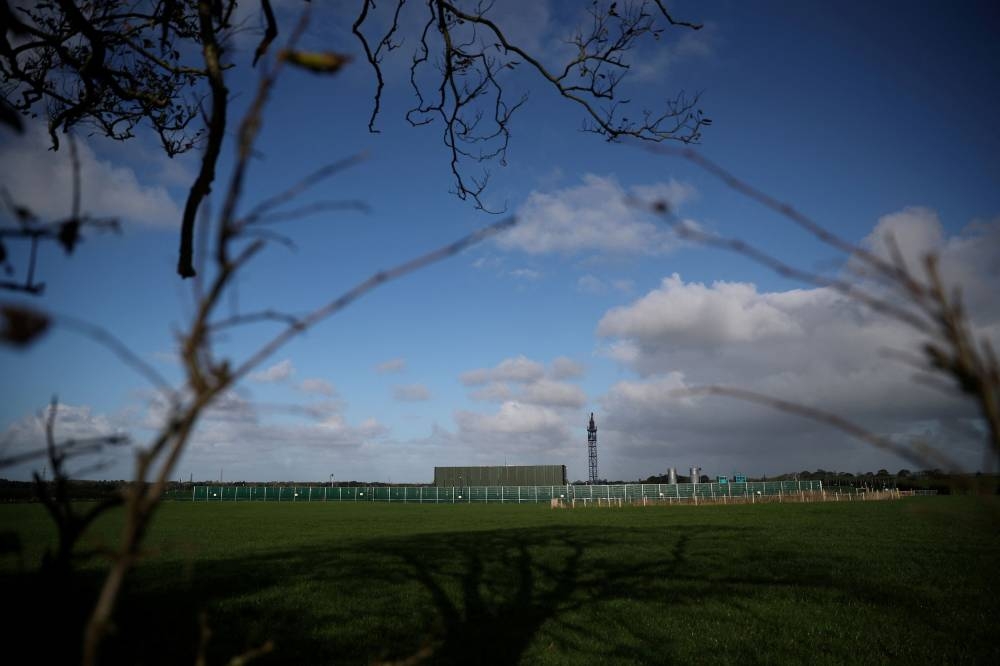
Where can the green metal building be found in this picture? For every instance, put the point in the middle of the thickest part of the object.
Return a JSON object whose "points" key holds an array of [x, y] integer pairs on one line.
{"points": [[501, 475]]}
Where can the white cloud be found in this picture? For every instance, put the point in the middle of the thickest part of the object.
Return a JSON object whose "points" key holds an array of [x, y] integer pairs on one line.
{"points": [[73, 422], [411, 393], [512, 418], [492, 392], [318, 386], [262, 442], [554, 394], [680, 315], [532, 386], [533, 422], [43, 181], [811, 346], [525, 274], [392, 366], [968, 260], [593, 217], [278, 372], [563, 367], [914, 230], [517, 369]]}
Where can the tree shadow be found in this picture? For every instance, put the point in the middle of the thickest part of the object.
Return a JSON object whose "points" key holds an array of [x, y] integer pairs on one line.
{"points": [[482, 597], [554, 594]]}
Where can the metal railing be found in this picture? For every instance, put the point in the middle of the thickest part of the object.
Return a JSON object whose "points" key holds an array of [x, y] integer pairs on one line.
{"points": [[633, 492]]}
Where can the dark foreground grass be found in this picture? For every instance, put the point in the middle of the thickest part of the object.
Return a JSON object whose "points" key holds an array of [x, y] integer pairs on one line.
{"points": [[907, 581]]}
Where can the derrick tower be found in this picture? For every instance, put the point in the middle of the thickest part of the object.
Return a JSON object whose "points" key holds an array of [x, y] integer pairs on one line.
{"points": [[592, 449]]}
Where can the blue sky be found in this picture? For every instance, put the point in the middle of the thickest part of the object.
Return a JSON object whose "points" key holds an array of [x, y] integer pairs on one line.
{"points": [[866, 117]]}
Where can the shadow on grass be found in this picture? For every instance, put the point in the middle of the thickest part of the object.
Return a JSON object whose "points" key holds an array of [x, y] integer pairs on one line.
{"points": [[558, 594], [501, 596]]}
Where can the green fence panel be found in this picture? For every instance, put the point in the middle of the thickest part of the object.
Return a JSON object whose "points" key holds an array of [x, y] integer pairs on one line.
{"points": [[633, 492]]}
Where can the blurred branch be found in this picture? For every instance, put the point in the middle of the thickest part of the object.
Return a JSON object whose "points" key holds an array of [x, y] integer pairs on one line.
{"points": [[363, 288], [68, 449], [108, 340], [70, 525], [207, 377], [922, 456]]}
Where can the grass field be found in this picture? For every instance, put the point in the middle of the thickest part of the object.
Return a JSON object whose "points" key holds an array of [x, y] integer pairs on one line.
{"points": [[910, 581]]}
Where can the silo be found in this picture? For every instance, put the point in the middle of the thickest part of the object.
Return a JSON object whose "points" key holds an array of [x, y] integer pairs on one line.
{"points": [[672, 475], [695, 474]]}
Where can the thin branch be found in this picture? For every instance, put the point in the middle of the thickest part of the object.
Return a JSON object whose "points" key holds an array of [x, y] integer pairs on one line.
{"points": [[297, 189], [923, 456], [789, 212], [253, 318], [105, 338], [314, 208], [68, 449], [373, 282], [672, 21]]}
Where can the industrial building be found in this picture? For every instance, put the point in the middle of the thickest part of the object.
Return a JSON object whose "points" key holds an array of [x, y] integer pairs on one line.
{"points": [[501, 475]]}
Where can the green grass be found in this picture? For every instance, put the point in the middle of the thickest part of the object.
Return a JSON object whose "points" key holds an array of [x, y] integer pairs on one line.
{"points": [[910, 581]]}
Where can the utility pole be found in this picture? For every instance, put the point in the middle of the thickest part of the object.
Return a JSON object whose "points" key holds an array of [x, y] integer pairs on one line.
{"points": [[592, 449]]}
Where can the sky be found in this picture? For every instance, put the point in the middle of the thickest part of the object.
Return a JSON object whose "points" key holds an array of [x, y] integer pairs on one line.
{"points": [[872, 118]]}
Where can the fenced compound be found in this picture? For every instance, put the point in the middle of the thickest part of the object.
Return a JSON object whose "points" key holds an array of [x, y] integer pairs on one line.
{"points": [[604, 495]]}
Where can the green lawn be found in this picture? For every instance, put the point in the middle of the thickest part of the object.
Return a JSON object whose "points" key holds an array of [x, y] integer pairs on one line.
{"points": [[908, 581]]}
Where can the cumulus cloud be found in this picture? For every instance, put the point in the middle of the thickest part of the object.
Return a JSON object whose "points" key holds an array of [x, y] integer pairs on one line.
{"points": [[262, 441], [411, 393], [42, 180], [969, 260], [812, 346], [554, 394], [517, 369], [492, 392], [278, 372], [391, 366], [517, 432], [73, 422], [318, 386], [513, 418], [534, 418], [682, 315], [530, 384], [563, 367], [594, 216]]}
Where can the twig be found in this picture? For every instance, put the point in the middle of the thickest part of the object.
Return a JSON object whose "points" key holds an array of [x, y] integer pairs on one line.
{"points": [[373, 282]]}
